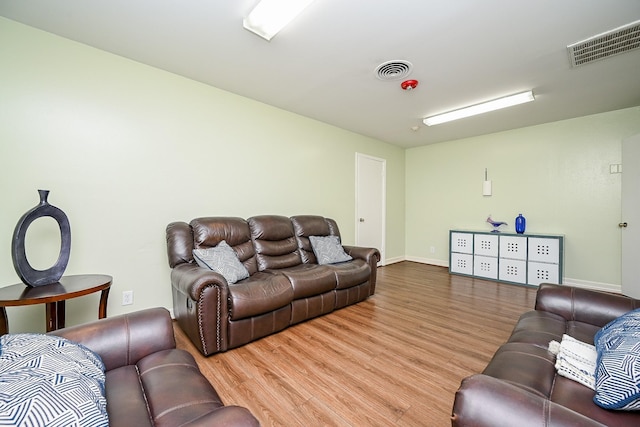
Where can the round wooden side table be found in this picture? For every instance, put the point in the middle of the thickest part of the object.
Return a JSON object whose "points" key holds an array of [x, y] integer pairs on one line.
{"points": [[54, 296]]}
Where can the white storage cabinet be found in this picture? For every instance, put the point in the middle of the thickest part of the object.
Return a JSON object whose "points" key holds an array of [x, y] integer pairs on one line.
{"points": [[527, 259], [461, 258]]}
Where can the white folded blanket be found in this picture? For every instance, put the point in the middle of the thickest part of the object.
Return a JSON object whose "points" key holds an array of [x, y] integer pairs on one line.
{"points": [[575, 360]]}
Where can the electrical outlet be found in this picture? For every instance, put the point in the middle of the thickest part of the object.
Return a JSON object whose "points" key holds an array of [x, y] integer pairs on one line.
{"points": [[127, 297], [433, 249]]}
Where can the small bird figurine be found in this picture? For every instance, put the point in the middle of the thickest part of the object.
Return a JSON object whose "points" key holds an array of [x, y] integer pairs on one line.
{"points": [[495, 224]]}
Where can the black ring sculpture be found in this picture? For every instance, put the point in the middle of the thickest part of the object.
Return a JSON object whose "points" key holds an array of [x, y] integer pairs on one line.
{"points": [[28, 274]]}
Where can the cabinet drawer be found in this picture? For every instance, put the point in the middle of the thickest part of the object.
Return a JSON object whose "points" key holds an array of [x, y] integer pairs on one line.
{"points": [[540, 272], [512, 270], [462, 242], [513, 247], [485, 244], [461, 263], [484, 266], [543, 249]]}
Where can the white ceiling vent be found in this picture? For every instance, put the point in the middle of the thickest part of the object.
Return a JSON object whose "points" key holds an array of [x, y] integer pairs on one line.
{"points": [[393, 70], [613, 42]]}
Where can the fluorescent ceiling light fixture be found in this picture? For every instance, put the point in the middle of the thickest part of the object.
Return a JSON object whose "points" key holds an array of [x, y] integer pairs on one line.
{"points": [[485, 107], [271, 16]]}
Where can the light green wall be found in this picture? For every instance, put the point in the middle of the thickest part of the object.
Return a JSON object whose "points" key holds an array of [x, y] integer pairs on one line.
{"points": [[557, 175], [125, 149]]}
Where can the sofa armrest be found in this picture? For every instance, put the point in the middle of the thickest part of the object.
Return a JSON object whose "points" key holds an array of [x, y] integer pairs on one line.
{"points": [[192, 280], [483, 401], [583, 305], [125, 339], [371, 256], [200, 306]]}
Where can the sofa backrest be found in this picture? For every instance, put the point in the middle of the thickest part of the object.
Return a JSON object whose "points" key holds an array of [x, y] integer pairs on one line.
{"points": [[312, 225], [207, 232], [274, 242], [261, 242]]}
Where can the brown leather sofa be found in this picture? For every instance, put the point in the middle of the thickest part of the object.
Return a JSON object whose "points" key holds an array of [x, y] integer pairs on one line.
{"points": [[148, 381], [520, 386], [286, 285]]}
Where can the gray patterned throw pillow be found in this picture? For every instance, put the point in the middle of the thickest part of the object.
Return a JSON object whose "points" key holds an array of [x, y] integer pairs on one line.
{"points": [[328, 249], [222, 259]]}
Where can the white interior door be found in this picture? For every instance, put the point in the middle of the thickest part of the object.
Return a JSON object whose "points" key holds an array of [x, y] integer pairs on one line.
{"points": [[370, 203], [630, 216]]}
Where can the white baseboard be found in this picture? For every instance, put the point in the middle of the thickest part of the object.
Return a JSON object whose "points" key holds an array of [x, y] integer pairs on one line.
{"points": [[393, 260], [437, 262], [608, 287], [429, 261]]}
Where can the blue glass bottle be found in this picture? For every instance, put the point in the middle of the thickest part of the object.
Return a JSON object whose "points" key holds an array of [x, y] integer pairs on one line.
{"points": [[521, 223]]}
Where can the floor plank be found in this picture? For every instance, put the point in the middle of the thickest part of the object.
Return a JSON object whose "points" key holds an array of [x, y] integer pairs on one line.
{"points": [[395, 359]]}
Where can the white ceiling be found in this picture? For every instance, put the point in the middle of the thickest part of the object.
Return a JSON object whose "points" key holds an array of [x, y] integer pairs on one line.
{"points": [[322, 65]]}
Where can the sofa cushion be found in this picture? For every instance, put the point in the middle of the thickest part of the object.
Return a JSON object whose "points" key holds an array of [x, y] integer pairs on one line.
{"points": [[126, 397], [350, 274], [153, 392], [618, 363], [163, 376], [530, 367], [309, 279], [328, 249], [259, 294], [223, 260], [49, 380]]}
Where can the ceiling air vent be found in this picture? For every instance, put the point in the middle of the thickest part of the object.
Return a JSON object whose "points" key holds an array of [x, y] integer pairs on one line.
{"points": [[393, 70], [613, 42]]}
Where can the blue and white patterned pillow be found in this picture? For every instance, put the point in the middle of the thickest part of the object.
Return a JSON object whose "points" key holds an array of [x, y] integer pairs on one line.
{"points": [[618, 363], [328, 249], [223, 260], [50, 381]]}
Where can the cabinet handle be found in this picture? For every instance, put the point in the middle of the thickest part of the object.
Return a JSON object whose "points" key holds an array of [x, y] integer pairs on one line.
{"points": [[622, 225], [361, 219]]}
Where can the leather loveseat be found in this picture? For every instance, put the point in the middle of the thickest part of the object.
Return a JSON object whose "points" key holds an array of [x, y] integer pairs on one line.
{"points": [[148, 381], [285, 283], [520, 386]]}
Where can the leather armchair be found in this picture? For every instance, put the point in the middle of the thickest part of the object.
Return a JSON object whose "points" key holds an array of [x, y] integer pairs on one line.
{"points": [[148, 381]]}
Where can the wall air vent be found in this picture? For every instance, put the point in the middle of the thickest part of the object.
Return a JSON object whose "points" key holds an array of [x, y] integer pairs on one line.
{"points": [[393, 70], [613, 42]]}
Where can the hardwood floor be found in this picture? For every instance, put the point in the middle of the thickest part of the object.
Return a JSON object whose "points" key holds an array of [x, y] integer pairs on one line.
{"points": [[395, 359]]}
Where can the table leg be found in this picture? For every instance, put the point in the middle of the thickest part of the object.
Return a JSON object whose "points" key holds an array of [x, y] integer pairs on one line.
{"points": [[4, 321], [102, 308], [55, 315], [51, 309], [61, 315]]}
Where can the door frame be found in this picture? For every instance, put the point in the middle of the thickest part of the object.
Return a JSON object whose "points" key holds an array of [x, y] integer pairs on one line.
{"points": [[630, 235], [383, 192]]}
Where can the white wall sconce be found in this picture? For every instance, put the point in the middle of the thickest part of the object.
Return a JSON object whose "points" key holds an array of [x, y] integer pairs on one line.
{"points": [[271, 16], [486, 185]]}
